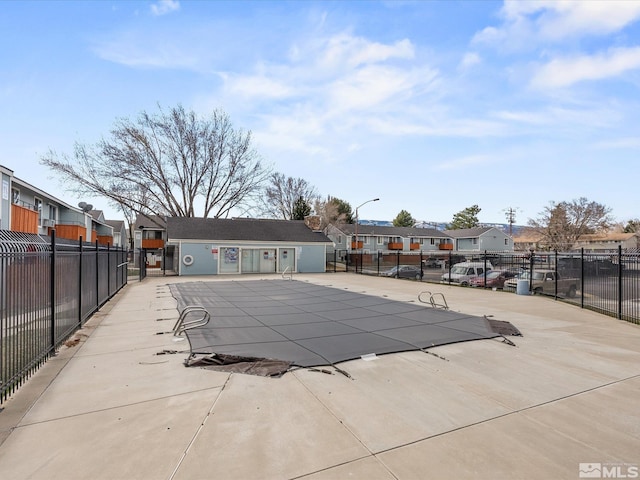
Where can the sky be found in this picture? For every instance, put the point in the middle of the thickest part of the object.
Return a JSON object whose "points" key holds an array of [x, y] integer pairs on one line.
{"points": [[431, 106]]}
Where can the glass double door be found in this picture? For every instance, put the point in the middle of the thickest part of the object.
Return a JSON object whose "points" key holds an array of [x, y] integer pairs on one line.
{"points": [[265, 260]]}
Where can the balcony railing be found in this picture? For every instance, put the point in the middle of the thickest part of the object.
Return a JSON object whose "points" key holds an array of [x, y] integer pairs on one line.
{"points": [[395, 245], [104, 240], [414, 246], [70, 232], [445, 246], [152, 243], [356, 245], [23, 219]]}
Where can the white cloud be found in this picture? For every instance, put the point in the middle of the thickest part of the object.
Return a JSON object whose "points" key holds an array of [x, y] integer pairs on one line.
{"points": [[373, 86], [527, 22], [561, 119], [300, 131], [344, 50], [333, 85], [134, 51], [162, 7], [438, 126], [260, 86], [567, 71], [469, 60]]}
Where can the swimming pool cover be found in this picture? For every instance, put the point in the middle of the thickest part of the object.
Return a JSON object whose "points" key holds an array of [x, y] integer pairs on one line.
{"points": [[312, 325]]}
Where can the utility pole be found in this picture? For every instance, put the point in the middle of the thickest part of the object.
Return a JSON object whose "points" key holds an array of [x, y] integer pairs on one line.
{"points": [[511, 218]]}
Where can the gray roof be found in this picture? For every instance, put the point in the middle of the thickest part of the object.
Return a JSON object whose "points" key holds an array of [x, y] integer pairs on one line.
{"points": [[152, 222], [116, 224], [468, 232], [405, 232], [247, 229]]}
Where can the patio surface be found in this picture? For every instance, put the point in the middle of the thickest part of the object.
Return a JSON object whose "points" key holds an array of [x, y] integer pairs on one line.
{"points": [[109, 407]]}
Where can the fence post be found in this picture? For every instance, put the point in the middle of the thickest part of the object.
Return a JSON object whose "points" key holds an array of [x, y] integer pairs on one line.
{"points": [[142, 272], [97, 276], [80, 283], [555, 260], [531, 262], [619, 282], [485, 270], [421, 264], [108, 270], [582, 277], [398, 260], [52, 293]]}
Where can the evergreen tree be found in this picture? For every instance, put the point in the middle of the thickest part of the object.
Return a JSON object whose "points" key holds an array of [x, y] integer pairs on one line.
{"points": [[467, 218], [300, 209], [404, 219]]}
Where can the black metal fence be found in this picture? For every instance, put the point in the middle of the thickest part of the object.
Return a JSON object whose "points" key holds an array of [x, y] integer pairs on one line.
{"points": [[48, 289], [161, 265], [605, 282]]}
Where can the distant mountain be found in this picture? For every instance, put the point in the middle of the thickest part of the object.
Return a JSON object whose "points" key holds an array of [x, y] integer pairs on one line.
{"points": [[516, 229], [376, 223]]}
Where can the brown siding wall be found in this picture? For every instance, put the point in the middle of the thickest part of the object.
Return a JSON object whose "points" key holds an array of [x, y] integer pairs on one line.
{"points": [[23, 219], [71, 232]]}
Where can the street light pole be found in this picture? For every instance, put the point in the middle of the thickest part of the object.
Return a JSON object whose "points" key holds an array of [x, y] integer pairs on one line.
{"points": [[357, 244]]}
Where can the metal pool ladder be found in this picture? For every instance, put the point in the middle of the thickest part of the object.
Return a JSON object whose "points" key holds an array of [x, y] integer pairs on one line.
{"points": [[290, 274], [433, 300], [182, 324]]}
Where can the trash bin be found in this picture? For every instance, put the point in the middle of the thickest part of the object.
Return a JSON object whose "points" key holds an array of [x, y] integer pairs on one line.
{"points": [[522, 287]]}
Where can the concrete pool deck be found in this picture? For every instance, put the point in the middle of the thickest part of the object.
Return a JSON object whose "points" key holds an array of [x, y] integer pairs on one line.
{"points": [[109, 407]]}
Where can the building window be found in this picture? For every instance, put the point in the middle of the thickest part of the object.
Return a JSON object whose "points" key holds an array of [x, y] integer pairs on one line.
{"points": [[53, 213], [37, 203], [506, 241], [152, 235], [15, 195], [380, 240], [339, 238], [474, 241]]}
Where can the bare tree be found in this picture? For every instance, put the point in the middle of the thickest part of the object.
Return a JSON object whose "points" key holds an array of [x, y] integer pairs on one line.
{"points": [[170, 163], [562, 224], [282, 194], [333, 211]]}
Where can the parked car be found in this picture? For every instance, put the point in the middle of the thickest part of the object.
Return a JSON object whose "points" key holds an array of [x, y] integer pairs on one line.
{"points": [[544, 281], [434, 262], [404, 271], [495, 279], [442, 261], [461, 273]]}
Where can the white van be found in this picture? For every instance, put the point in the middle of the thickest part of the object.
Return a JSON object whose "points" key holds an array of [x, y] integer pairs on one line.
{"points": [[462, 272]]}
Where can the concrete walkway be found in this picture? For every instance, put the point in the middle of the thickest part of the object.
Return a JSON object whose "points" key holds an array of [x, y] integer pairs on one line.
{"points": [[109, 407]]}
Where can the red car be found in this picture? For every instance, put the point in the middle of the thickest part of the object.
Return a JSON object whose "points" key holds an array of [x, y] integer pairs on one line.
{"points": [[495, 279]]}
